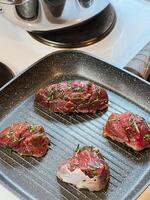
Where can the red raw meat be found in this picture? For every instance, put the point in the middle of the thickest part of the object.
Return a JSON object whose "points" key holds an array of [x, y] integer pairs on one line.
{"points": [[86, 169], [128, 128], [72, 96], [25, 139]]}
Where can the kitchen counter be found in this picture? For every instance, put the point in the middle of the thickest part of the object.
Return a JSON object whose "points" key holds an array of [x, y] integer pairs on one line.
{"points": [[131, 33], [6, 194]]}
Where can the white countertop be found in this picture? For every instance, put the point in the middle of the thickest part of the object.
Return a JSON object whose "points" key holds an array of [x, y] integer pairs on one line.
{"points": [[131, 33], [5, 194]]}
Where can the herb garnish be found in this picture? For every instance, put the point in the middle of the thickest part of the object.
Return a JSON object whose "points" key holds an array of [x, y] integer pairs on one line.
{"points": [[79, 89], [69, 81], [77, 98], [147, 137], [94, 173], [134, 123], [61, 96], [114, 119], [31, 128], [11, 131], [15, 139], [6, 135], [78, 149], [51, 95]]}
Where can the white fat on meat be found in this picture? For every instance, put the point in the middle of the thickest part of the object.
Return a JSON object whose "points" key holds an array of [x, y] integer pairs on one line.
{"points": [[79, 179]]}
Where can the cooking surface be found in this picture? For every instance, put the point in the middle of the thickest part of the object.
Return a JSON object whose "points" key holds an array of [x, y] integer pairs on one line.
{"points": [[36, 178]]}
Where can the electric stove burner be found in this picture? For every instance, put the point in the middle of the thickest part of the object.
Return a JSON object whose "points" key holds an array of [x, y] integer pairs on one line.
{"points": [[84, 34]]}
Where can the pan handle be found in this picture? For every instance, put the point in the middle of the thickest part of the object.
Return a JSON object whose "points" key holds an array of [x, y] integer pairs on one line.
{"points": [[140, 64]]}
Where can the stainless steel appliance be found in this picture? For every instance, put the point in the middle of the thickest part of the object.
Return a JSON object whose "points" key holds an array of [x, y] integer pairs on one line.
{"points": [[47, 15]]}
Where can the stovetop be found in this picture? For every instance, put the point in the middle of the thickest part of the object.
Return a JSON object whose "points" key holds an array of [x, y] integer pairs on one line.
{"points": [[131, 33], [83, 34]]}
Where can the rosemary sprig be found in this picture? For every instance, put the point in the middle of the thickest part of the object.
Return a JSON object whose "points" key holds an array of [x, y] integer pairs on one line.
{"points": [[31, 128], [11, 131], [51, 95], [78, 149], [114, 119], [134, 123], [6, 135], [147, 137], [94, 172]]}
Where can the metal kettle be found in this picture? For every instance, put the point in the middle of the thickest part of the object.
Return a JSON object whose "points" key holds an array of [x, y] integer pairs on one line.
{"points": [[47, 15]]}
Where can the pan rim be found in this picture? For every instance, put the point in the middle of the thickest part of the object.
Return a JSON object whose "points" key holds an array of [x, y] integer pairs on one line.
{"points": [[57, 52]]}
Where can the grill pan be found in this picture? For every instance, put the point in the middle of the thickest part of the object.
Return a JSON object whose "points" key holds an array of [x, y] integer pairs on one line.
{"points": [[35, 179]]}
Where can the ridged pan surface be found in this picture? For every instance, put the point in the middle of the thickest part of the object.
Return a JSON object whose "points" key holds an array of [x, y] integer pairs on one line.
{"points": [[35, 179]]}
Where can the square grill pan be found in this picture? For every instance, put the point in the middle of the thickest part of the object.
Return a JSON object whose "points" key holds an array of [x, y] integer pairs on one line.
{"points": [[35, 179]]}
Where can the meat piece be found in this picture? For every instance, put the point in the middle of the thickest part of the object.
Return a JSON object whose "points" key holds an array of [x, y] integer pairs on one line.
{"points": [[25, 139], [72, 96], [86, 169], [128, 128]]}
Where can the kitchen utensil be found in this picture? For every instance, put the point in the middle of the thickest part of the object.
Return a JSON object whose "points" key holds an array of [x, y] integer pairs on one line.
{"points": [[36, 178], [47, 15]]}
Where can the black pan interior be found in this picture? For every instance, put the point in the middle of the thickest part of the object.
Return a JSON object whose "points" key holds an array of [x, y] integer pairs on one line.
{"points": [[36, 178]]}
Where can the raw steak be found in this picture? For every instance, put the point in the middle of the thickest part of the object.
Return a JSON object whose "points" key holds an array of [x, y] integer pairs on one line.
{"points": [[72, 96], [86, 169], [128, 128], [25, 139]]}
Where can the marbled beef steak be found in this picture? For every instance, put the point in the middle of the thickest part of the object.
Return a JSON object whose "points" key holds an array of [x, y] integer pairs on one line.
{"points": [[86, 169], [72, 96], [25, 139], [128, 128]]}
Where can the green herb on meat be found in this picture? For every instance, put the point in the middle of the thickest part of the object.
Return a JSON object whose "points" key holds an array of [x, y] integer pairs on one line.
{"points": [[62, 96], [147, 137], [31, 128], [51, 95], [50, 110], [94, 173], [79, 89], [15, 139], [75, 88], [98, 153], [11, 131], [114, 119], [69, 81], [77, 98], [134, 123], [136, 127], [6, 135], [78, 149]]}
